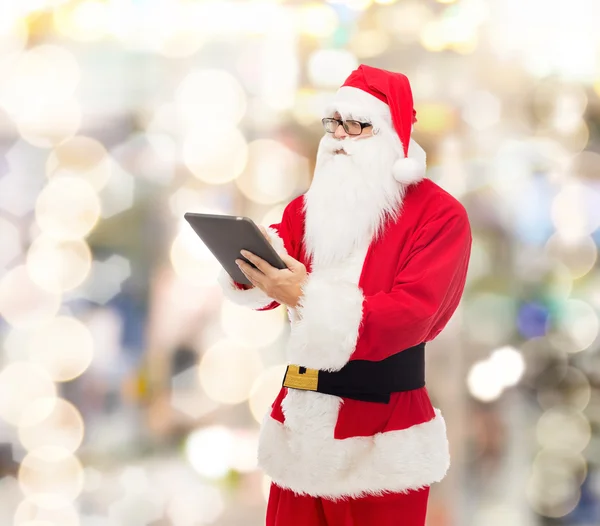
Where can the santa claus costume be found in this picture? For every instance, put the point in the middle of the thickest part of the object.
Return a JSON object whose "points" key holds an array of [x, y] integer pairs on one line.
{"points": [[352, 439]]}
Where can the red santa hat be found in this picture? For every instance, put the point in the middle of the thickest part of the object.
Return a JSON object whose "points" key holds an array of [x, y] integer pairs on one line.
{"points": [[382, 96]]}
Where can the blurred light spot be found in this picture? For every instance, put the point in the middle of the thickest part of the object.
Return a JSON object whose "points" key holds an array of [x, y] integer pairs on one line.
{"points": [[587, 167], [192, 260], [273, 172], [404, 22], [58, 266], [310, 104], [64, 347], [251, 327], [210, 450], [68, 208], [329, 67], [273, 216], [52, 67], [13, 35], [28, 510], [10, 242], [435, 117], [432, 36], [370, 43], [244, 458], [48, 126], [22, 302], [106, 279], [228, 370], [561, 465], [553, 489], [51, 422], [197, 506], [559, 280], [532, 319], [215, 154], [482, 110], [317, 20], [210, 96], [385, 2], [571, 391], [496, 515], [489, 318], [15, 344], [563, 429], [188, 199], [561, 106], [118, 194], [94, 479], [266, 486], [18, 192], [575, 210], [483, 382], [22, 384], [577, 326], [357, 5], [150, 156], [265, 390], [170, 29], [578, 254], [187, 396], [508, 364], [51, 477], [137, 508], [480, 262], [85, 21], [134, 479], [82, 157], [164, 119]]}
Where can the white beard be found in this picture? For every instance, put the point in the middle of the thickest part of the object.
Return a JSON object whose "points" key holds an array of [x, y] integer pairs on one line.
{"points": [[351, 197]]}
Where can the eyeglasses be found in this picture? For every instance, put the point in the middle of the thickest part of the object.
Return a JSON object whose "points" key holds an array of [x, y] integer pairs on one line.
{"points": [[351, 127]]}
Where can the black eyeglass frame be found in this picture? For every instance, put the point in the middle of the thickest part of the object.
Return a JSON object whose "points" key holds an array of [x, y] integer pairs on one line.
{"points": [[363, 125]]}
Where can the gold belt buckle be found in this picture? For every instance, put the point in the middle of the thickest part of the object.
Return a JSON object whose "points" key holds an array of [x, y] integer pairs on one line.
{"points": [[307, 380]]}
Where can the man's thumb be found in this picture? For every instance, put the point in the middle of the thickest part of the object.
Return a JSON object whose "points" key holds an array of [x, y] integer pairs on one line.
{"points": [[290, 262]]}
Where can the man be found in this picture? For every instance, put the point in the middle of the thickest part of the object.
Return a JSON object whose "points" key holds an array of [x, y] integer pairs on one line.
{"points": [[377, 257]]}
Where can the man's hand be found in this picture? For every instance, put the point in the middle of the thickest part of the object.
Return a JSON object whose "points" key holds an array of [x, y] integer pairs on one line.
{"points": [[284, 286]]}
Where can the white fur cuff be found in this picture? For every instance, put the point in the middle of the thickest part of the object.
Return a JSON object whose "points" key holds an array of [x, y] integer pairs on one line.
{"points": [[253, 298], [330, 313]]}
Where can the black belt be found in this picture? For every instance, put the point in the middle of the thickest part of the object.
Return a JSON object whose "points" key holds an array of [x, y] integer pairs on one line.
{"points": [[363, 379]]}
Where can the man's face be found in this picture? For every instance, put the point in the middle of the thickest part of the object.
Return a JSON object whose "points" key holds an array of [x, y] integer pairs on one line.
{"points": [[340, 133]]}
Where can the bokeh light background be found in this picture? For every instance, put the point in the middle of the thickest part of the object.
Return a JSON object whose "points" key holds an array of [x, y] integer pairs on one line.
{"points": [[131, 391]]}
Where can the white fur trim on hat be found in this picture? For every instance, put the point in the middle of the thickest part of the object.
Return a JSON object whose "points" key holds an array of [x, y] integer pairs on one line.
{"points": [[360, 98], [411, 169]]}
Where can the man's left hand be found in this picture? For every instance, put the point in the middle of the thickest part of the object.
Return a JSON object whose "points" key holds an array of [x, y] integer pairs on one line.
{"points": [[284, 286]]}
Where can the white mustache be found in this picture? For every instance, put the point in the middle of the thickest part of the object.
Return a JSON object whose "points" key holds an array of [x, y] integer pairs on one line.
{"points": [[331, 145]]}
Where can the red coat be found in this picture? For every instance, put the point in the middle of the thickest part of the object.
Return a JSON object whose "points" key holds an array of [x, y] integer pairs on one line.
{"points": [[396, 293]]}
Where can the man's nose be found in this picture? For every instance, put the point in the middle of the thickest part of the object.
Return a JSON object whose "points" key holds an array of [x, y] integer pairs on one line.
{"points": [[340, 133]]}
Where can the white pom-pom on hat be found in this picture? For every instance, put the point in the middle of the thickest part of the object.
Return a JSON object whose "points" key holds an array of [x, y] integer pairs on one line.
{"points": [[411, 169]]}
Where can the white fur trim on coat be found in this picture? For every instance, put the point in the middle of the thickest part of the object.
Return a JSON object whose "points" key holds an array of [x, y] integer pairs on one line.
{"points": [[253, 298], [324, 334], [304, 456]]}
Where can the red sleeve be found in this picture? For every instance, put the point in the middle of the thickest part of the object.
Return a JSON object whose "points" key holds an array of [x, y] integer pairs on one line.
{"points": [[426, 291]]}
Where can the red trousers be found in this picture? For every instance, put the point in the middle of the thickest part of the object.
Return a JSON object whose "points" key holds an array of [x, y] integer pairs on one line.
{"points": [[285, 508]]}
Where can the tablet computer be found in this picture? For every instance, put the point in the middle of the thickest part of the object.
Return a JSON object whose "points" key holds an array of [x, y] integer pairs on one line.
{"points": [[226, 235]]}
